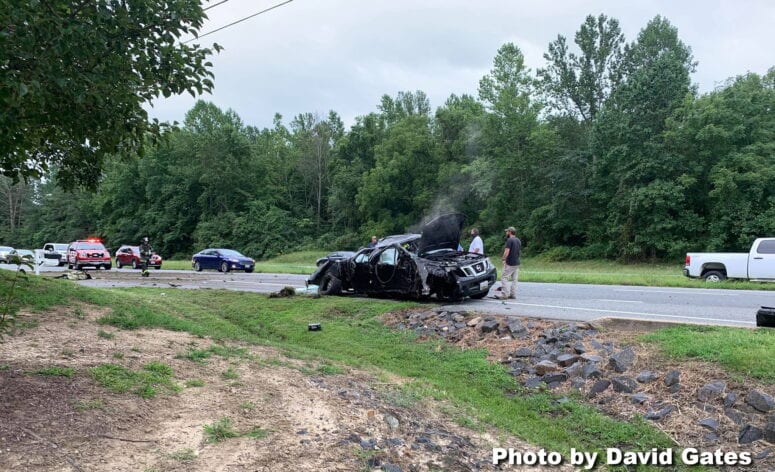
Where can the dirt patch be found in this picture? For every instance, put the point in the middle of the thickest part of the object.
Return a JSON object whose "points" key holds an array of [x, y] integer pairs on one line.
{"points": [[286, 414], [705, 407]]}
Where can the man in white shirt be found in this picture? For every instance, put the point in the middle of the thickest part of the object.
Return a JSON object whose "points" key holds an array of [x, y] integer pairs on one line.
{"points": [[477, 246]]}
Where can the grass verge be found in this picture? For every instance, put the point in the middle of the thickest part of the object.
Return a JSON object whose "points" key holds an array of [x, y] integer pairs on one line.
{"points": [[220, 430], [144, 383], [743, 351], [353, 336], [56, 371], [223, 429]]}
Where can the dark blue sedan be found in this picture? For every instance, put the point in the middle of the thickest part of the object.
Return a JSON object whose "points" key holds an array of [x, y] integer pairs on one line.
{"points": [[222, 260]]}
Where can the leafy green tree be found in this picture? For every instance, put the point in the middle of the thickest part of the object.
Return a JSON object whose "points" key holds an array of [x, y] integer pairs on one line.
{"points": [[640, 183], [579, 84], [625, 161], [75, 74], [458, 126], [400, 187], [353, 157], [120, 199], [511, 174], [725, 138], [59, 216], [562, 215], [405, 104], [15, 203], [314, 140]]}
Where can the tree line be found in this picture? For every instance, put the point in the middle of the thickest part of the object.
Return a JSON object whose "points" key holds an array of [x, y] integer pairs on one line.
{"points": [[608, 151]]}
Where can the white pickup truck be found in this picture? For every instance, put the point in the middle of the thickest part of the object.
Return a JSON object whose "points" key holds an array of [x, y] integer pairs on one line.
{"points": [[756, 264]]}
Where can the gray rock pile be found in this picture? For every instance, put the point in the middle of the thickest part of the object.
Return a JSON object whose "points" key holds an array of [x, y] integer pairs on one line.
{"points": [[573, 356]]}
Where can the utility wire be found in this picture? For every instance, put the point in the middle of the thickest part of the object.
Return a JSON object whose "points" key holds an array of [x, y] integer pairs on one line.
{"points": [[213, 6], [238, 21]]}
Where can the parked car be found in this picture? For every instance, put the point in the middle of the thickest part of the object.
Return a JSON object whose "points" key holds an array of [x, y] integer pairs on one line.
{"points": [[23, 253], [757, 264], [20, 255], [130, 256], [4, 251], [88, 253], [222, 260], [55, 252], [410, 265]]}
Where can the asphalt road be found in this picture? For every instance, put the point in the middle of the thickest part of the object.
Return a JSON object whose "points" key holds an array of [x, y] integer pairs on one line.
{"points": [[540, 300], [590, 302]]}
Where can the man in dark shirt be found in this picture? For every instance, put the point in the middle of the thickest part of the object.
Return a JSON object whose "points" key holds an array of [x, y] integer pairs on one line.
{"points": [[373, 242], [146, 251], [511, 253]]}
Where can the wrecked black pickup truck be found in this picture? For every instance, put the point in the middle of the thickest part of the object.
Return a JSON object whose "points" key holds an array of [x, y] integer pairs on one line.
{"points": [[409, 266]]}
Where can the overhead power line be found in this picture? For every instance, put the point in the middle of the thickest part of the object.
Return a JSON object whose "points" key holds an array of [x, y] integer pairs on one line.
{"points": [[238, 21], [213, 6]]}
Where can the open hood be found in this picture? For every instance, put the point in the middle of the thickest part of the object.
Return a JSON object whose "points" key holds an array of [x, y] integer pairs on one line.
{"points": [[442, 232]]}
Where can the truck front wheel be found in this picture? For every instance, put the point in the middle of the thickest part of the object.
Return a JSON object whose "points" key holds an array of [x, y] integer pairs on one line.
{"points": [[330, 285], [714, 276]]}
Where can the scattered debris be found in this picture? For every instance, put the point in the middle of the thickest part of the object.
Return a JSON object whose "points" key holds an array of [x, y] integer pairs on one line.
{"points": [[74, 275], [283, 293]]}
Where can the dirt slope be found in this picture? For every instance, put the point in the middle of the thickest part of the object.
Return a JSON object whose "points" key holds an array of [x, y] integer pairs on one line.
{"points": [[308, 421]]}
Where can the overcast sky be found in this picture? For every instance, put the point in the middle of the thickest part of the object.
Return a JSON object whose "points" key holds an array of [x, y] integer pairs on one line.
{"points": [[343, 55]]}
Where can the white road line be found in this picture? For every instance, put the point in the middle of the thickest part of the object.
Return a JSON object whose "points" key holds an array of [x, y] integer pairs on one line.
{"points": [[657, 315], [624, 274], [617, 301], [257, 283], [693, 291]]}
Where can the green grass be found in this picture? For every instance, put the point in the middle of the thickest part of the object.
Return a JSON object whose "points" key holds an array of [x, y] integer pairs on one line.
{"points": [[535, 269], [354, 337], [743, 351], [56, 371], [22, 325], [257, 433], [328, 369], [229, 351], [177, 265], [223, 429], [195, 355], [200, 355], [105, 334], [183, 455], [230, 374], [220, 431], [144, 383], [195, 383]]}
